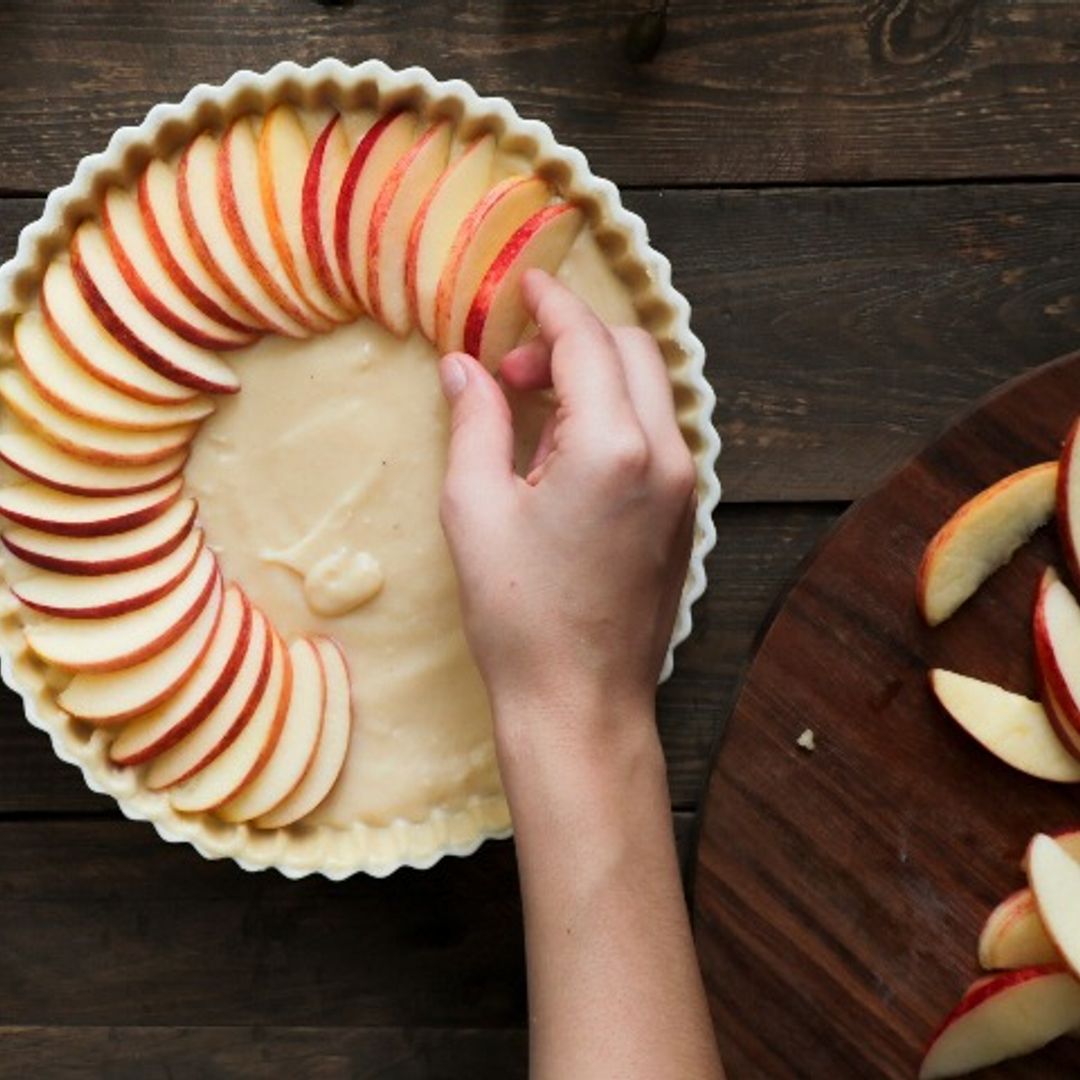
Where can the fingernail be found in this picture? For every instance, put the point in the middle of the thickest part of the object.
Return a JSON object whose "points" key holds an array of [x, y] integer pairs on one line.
{"points": [[454, 376]]}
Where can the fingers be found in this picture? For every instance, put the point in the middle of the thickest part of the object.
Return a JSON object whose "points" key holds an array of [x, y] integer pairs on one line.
{"points": [[528, 367], [481, 452]]}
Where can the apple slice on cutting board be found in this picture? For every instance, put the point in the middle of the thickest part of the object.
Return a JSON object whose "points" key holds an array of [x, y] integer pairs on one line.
{"points": [[70, 387], [112, 697], [1004, 1016], [497, 317], [246, 756], [1013, 935], [1012, 727], [981, 537], [1054, 877], [1056, 633], [220, 727], [123, 640], [333, 743], [155, 731], [61, 514], [95, 555], [82, 596], [296, 745]]}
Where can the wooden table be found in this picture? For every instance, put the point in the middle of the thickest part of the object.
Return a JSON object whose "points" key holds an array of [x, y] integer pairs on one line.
{"points": [[870, 207]]}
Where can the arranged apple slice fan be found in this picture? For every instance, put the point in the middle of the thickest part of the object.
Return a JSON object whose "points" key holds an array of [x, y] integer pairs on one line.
{"points": [[1031, 941], [282, 224]]}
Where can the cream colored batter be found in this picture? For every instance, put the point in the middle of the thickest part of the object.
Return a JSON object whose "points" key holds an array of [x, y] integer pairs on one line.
{"points": [[318, 486]]}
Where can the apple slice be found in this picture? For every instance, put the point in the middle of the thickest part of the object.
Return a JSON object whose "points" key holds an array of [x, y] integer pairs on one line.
{"points": [[69, 387], [159, 205], [404, 191], [1012, 727], [482, 235], [94, 555], [246, 756], [1054, 877], [295, 749], [375, 156], [60, 514], [329, 757], [118, 309], [84, 439], [40, 460], [155, 731], [242, 209], [90, 345], [1004, 1016], [81, 596], [112, 697], [1067, 498], [497, 316], [461, 186], [217, 731], [138, 262], [1014, 937], [982, 536], [1057, 656], [123, 640], [284, 153], [199, 189]]}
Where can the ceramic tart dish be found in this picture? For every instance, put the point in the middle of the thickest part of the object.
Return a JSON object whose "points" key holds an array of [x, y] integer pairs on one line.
{"points": [[228, 600]]}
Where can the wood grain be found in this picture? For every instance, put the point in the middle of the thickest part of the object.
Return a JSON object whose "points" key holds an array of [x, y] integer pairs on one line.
{"points": [[839, 894], [265, 1052], [753, 91]]}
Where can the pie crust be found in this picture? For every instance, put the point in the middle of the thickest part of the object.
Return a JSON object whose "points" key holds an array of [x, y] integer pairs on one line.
{"points": [[338, 852]]}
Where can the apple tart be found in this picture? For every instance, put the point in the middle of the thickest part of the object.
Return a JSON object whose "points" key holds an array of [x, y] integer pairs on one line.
{"points": [[228, 598]]}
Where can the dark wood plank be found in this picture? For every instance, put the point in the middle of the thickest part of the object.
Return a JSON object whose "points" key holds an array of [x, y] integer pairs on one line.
{"points": [[839, 894], [264, 1053], [103, 923], [844, 327], [757, 91], [758, 551]]}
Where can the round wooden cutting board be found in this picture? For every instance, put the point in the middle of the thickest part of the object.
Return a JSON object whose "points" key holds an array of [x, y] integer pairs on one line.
{"points": [[839, 893]]}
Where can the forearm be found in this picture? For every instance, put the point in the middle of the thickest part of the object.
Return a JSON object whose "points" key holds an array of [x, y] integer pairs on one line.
{"points": [[614, 986]]}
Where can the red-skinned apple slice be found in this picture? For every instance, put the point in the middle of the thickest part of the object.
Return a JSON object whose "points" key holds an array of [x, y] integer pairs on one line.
{"points": [[326, 167], [80, 334], [123, 640], [245, 217], [81, 596], [497, 316], [1067, 497], [329, 757], [482, 235], [461, 186], [138, 263], [83, 438], [1054, 877], [47, 464], [155, 731], [1014, 937], [296, 745], [1004, 1016], [199, 188], [375, 155], [1056, 625], [56, 512], [1013, 728], [94, 555], [982, 536], [217, 731], [159, 205], [118, 309], [113, 697], [400, 198], [71, 388], [246, 756], [284, 153]]}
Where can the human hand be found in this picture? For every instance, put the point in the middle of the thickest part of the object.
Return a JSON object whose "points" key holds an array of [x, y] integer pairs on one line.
{"points": [[570, 578]]}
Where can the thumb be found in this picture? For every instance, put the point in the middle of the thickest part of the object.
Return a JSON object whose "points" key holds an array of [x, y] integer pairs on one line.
{"points": [[481, 453]]}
